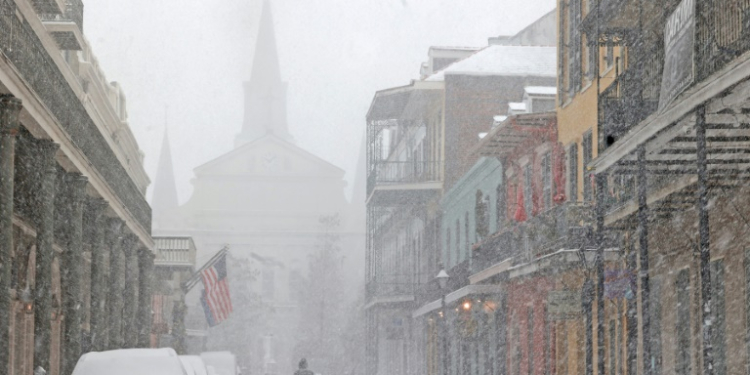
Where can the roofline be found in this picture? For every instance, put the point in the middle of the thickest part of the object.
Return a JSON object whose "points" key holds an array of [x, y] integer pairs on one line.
{"points": [[413, 85], [270, 136], [533, 23]]}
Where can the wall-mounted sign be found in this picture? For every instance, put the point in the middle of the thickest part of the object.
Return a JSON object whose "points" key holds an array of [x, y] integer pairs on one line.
{"points": [[679, 41], [563, 304], [619, 283]]}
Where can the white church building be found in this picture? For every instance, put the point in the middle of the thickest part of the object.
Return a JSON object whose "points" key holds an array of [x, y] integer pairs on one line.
{"points": [[264, 199]]}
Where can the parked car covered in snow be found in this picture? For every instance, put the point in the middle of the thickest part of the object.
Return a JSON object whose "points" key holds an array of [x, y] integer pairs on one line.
{"points": [[130, 362]]}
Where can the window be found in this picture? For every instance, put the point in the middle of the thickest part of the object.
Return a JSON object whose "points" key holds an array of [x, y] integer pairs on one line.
{"points": [[573, 169], [547, 181], [719, 321], [574, 46], [612, 348], [682, 343], [500, 206], [588, 144], [458, 241], [482, 216], [528, 190], [466, 234], [609, 57], [447, 262], [530, 340]]}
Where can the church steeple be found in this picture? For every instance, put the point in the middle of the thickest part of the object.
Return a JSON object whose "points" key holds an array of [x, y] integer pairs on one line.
{"points": [[265, 93], [164, 200]]}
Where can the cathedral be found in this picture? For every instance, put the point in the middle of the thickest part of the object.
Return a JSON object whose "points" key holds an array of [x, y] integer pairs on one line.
{"points": [[265, 199]]}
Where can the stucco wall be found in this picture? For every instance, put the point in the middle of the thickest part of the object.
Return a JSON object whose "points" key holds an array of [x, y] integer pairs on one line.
{"points": [[485, 176]]}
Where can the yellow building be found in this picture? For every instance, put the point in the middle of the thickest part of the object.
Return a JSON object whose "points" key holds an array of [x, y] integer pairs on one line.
{"points": [[590, 68]]}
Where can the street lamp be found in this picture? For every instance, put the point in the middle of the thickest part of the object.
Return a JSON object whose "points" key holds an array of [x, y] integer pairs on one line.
{"points": [[442, 278], [28, 301]]}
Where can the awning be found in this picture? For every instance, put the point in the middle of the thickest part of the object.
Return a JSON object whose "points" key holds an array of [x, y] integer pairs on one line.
{"points": [[466, 291], [514, 131]]}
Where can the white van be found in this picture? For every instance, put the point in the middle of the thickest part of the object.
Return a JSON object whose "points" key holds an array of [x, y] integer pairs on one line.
{"points": [[130, 362]]}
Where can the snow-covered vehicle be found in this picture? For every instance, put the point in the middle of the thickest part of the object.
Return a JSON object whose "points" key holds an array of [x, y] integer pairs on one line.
{"points": [[130, 362], [223, 363], [194, 365]]}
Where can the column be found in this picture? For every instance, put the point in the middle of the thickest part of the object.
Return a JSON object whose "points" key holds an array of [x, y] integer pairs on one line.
{"points": [[9, 109], [44, 178], [601, 183], [73, 190], [97, 219], [643, 212], [704, 238], [130, 333], [114, 296], [144, 319]]}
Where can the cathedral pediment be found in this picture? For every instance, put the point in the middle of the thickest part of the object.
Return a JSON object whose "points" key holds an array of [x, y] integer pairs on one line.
{"points": [[267, 157]]}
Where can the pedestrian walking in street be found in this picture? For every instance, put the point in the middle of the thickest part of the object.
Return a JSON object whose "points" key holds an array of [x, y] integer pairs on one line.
{"points": [[303, 368]]}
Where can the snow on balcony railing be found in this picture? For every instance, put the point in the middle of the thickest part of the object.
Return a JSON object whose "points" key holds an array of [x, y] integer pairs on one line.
{"points": [[174, 251]]}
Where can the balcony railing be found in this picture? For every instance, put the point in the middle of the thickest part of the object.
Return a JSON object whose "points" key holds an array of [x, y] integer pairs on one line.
{"points": [[389, 288], [632, 97], [538, 236], [403, 172], [24, 49], [174, 251], [722, 34]]}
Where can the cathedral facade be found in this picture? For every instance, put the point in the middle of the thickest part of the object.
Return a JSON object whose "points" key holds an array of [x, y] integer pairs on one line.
{"points": [[265, 199]]}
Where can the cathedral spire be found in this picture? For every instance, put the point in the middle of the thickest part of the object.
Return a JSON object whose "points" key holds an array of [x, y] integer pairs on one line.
{"points": [[164, 200], [265, 93]]}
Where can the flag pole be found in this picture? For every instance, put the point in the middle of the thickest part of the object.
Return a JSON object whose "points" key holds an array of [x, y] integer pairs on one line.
{"points": [[190, 283]]}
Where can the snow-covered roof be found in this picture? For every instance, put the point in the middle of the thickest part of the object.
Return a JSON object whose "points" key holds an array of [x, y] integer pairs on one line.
{"points": [[517, 106], [541, 90], [455, 48], [499, 60], [497, 120]]}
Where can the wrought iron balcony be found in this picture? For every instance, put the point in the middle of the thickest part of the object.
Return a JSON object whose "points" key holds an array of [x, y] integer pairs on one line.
{"points": [[538, 236], [632, 97], [404, 175], [722, 34], [611, 15]]}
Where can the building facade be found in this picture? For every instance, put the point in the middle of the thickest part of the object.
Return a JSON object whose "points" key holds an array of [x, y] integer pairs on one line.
{"points": [[421, 143], [75, 229]]}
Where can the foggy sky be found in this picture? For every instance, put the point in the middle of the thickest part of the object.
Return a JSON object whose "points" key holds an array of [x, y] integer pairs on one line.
{"points": [[191, 58]]}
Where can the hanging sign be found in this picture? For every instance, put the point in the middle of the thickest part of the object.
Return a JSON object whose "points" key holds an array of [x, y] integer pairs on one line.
{"points": [[679, 41], [619, 283]]}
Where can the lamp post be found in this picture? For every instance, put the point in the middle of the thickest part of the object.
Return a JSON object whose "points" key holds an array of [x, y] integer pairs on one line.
{"points": [[442, 278]]}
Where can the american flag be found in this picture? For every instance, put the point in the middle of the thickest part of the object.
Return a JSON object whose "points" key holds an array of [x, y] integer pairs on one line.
{"points": [[217, 304]]}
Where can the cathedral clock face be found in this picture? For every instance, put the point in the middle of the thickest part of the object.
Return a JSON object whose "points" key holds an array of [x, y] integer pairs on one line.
{"points": [[270, 161]]}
